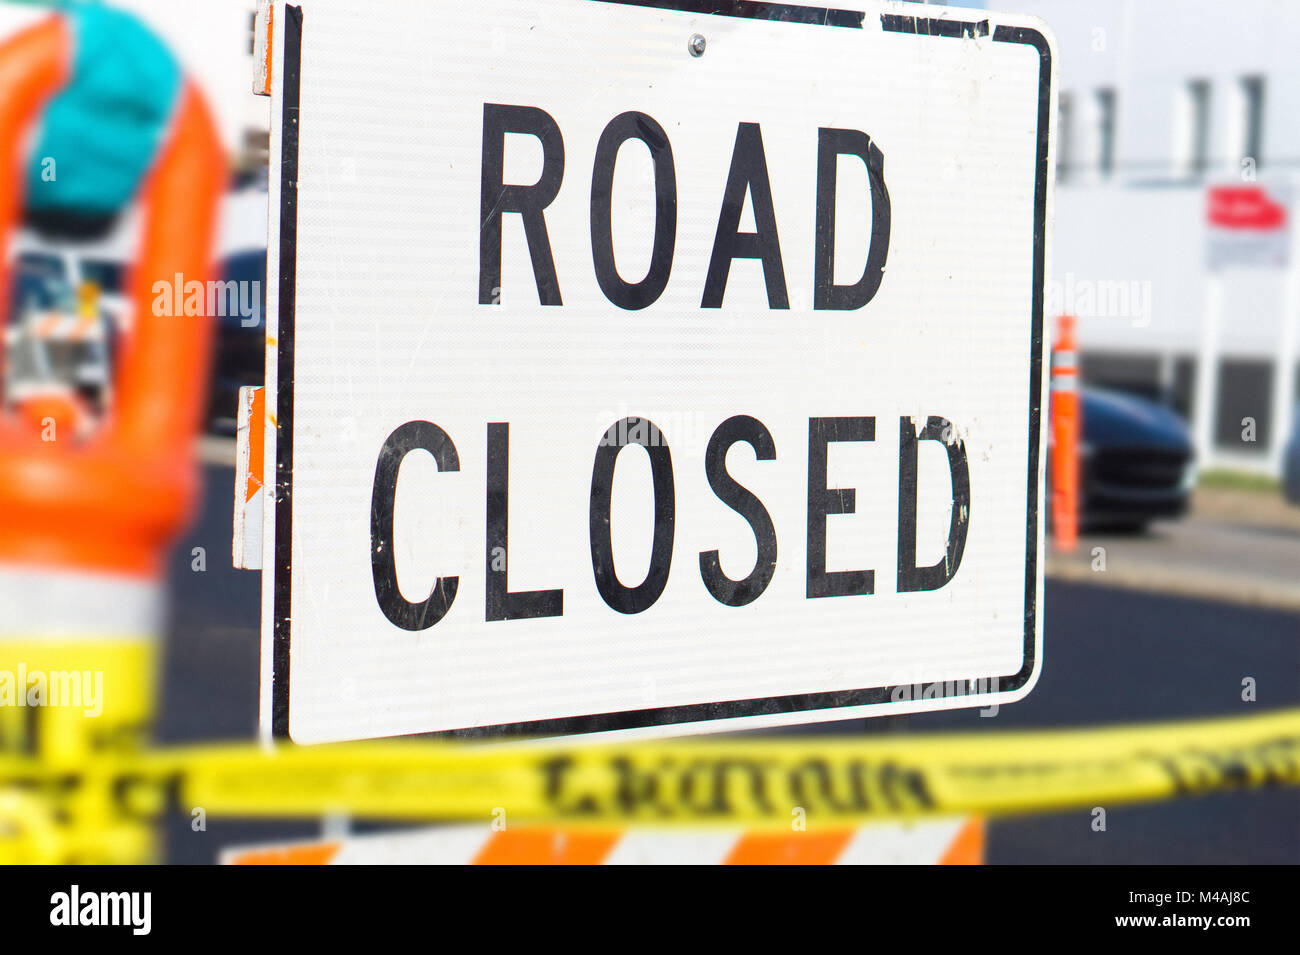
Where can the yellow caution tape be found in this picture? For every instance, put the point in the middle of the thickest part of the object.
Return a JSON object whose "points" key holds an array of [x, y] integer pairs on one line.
{"points": [[64, 698], [69, 703], [756, 782]]}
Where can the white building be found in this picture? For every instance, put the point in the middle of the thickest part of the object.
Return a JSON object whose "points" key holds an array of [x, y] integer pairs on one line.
{"points": [[1162, 101]]}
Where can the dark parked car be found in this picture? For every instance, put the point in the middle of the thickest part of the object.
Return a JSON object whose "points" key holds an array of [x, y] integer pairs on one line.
{"points": [[240, 346], [1291, 462], [1135, 461]]}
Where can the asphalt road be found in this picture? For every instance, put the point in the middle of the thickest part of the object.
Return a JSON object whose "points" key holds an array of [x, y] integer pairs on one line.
{"points": [[1112, 655]]}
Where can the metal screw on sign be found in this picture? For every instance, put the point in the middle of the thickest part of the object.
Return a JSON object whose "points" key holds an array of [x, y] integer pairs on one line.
{"points": [[696, 45]]}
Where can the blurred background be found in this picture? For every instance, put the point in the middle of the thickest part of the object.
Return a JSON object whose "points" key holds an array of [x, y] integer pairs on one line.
{"points": [[1173, 250]]}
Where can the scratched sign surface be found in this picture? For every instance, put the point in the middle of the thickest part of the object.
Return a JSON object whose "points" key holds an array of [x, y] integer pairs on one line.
{"points": [[645, 369]]}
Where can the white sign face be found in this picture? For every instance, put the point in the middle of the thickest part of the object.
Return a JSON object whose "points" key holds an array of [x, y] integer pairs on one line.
{"points": [[651, 370]]}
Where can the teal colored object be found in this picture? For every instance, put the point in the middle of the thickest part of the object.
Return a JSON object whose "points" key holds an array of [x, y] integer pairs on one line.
{"points": [[104, 129]]}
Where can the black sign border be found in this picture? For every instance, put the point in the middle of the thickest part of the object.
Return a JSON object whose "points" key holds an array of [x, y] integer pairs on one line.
{"points": [[699, 712]]}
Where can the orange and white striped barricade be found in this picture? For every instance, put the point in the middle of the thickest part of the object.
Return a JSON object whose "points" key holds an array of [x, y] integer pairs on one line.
{"points": [[928, 842]]}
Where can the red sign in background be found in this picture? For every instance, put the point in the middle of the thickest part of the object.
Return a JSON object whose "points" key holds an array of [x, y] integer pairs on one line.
{"points": [[1246, 208]]}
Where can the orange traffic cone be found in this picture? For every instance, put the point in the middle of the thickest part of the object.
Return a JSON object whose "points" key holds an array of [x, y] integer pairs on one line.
{"points": [[1065, 435]]}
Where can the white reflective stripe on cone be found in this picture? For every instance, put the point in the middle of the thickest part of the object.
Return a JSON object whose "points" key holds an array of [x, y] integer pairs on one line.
{"points": [[1065, 359], [52, 603]]}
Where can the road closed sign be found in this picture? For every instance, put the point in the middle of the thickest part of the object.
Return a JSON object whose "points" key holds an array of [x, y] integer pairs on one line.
{"points": [[640, 368]]}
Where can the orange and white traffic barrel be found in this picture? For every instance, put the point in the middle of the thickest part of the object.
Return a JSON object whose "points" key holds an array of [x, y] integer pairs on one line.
{"points": [[88, 518]]}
